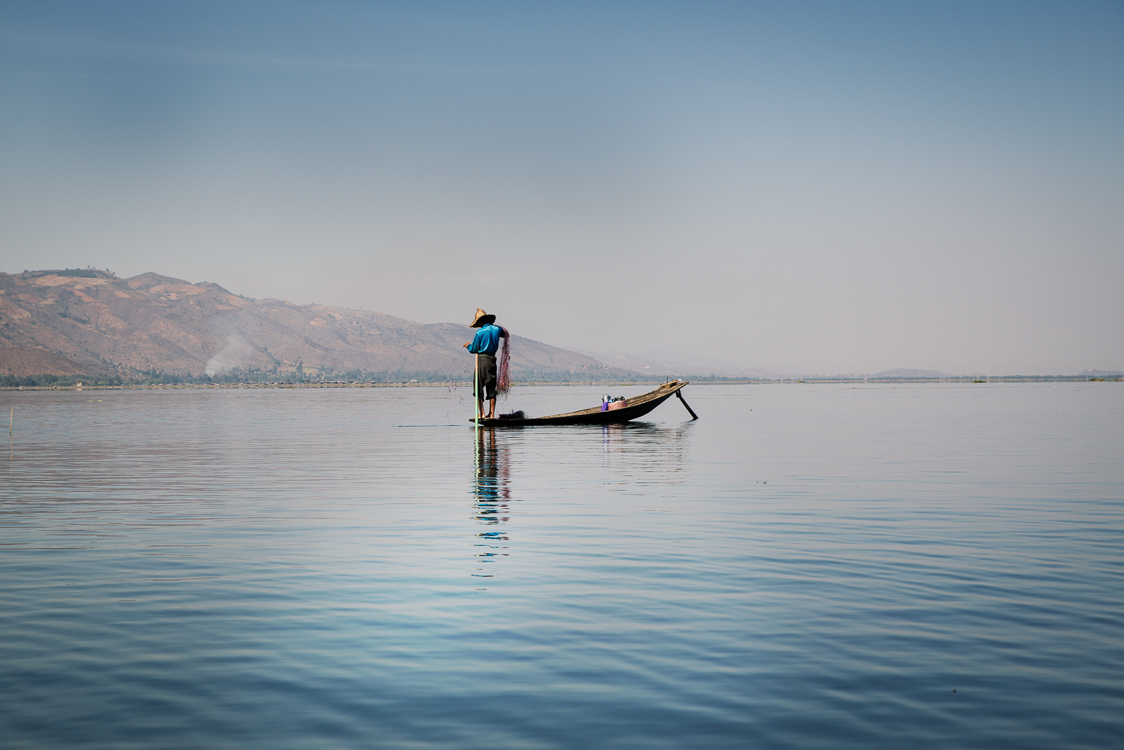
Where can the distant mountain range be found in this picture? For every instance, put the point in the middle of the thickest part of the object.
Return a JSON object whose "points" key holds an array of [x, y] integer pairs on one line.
{"points": [[657, 364], [901, 372], [92, 322], [89, 322]]}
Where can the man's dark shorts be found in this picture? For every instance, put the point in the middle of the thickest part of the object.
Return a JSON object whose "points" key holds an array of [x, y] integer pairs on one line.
{"points": [[488, 378]]}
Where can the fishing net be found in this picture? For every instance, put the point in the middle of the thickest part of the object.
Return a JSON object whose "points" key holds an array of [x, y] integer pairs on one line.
{"points": [[504, 367]]}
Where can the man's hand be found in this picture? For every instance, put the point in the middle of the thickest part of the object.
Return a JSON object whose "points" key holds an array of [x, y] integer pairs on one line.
{"points": [[467, 344]]}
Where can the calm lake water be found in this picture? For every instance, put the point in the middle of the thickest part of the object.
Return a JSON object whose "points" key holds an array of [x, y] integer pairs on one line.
{"points": [[886, 566]]}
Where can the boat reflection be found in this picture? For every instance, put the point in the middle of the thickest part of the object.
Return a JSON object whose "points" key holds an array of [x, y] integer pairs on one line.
{"points": [[644, 453], [492, 493], [630, 455]]}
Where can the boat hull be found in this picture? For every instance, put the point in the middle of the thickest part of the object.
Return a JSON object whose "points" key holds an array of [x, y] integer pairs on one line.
{"points": [[637, 407]]}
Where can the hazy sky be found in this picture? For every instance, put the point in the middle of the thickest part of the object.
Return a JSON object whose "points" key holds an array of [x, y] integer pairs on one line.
{"points": [[818, 187]]}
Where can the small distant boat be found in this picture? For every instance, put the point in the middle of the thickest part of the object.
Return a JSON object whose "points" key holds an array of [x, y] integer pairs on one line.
{"points": [[636, 407]]}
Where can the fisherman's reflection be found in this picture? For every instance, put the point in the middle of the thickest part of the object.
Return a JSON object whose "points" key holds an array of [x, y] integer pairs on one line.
{"points": [[492, 493]]}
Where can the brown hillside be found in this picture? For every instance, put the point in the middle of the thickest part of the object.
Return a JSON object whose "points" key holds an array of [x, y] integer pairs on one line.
{"points": [[24, 362], [152, 322]]}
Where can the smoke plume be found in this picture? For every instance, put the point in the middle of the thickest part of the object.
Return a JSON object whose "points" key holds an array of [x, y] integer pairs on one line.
{"points": [[237, 350]]}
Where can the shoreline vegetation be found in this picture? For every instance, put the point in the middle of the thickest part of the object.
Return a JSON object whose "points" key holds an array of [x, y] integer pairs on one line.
{"points": [[388, 380]]}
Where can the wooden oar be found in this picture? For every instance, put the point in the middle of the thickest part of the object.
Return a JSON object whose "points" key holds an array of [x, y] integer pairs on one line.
{"points": [[476, 391], [692, 411]]}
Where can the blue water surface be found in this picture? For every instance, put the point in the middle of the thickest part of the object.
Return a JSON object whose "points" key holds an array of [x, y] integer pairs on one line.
{"points": [[836, 565]]}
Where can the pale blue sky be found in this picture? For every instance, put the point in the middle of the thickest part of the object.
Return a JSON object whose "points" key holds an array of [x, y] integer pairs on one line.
{"points": [[819, 187]]}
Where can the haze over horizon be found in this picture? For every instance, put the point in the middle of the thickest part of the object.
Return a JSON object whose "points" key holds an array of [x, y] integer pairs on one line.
{"points": [[805, 187]]}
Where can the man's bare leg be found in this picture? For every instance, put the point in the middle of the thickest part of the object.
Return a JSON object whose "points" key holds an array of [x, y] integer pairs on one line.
{"points": [[491, 408]]}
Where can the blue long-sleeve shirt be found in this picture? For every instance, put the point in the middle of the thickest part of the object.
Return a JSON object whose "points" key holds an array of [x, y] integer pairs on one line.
{"points": [[487, 339]]}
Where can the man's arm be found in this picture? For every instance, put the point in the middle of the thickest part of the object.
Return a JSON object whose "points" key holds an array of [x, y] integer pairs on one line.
{"points": [[470, 345]]}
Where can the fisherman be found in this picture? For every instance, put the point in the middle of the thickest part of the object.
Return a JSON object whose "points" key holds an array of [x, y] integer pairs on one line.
{"points": [[484, 346]]}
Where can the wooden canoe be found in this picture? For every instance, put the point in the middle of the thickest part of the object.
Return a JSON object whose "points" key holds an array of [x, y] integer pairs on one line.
{"points": [[637, 407]]}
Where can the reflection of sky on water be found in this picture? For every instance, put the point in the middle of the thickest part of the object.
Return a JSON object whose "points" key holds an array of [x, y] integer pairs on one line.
{"points": [[207, 555]]}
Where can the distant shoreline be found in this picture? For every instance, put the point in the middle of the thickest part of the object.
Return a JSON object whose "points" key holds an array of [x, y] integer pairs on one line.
{"points": [[617, 384]]}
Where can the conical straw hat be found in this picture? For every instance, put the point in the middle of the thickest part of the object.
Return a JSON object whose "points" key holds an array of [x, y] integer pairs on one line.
{"points": [[482, 319]]}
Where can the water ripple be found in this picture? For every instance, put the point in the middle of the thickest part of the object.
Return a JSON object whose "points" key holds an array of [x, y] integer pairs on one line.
{"points": [[932, 566]]}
